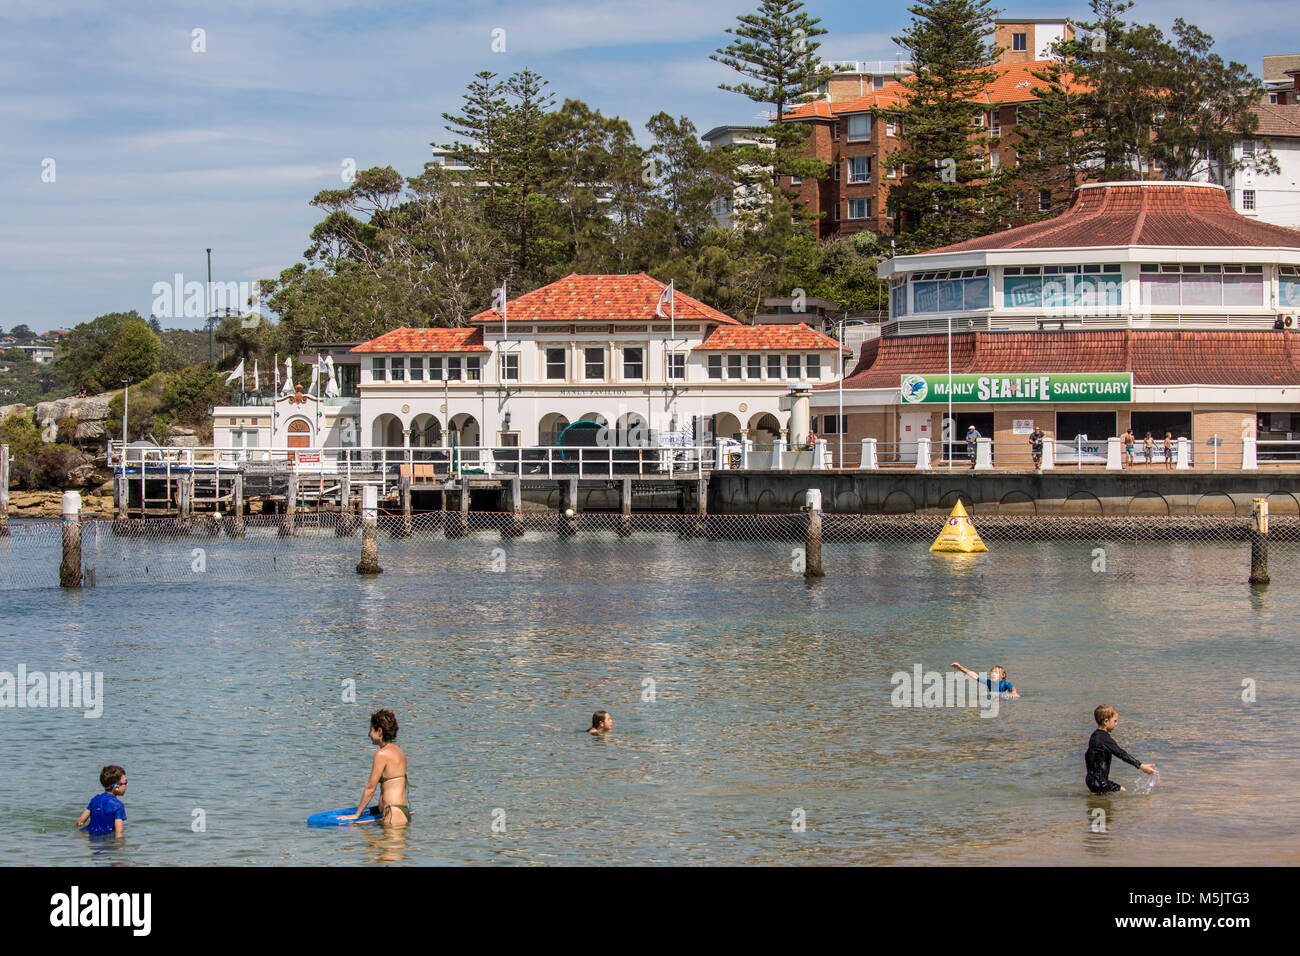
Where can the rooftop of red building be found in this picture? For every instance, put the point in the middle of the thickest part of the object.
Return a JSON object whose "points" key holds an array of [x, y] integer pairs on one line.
{"points": [[1155, 357], [602, 298]]}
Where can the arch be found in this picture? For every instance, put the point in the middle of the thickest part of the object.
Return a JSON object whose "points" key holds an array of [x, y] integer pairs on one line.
{"points": [[594, 417], [549, 428], [1215, 503], [898, 503], [949, 500], [1148, 503], [426, 431], [386, 432], [1017, 503], [299, 430], [1281, 503], [1082, 503], [848, 503], [466, 429], [726, 425], [764, 428], [631, 430], [766, 503]]}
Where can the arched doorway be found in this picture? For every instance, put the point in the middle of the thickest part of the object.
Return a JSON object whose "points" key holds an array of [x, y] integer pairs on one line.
{"points": [[466, 430], [726, 425], [764, 428], [426, 432], [549, 428], [631, 431], [299, 434], [387, 432]]}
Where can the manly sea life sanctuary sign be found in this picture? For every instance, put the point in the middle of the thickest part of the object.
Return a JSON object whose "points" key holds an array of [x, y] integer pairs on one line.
{"points": [[1020, 387]]}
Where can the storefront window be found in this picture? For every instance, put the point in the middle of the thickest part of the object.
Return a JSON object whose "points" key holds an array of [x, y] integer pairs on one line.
{"points": [[1288, 287], [1202, 285], [1082, 288], [961, 290]]}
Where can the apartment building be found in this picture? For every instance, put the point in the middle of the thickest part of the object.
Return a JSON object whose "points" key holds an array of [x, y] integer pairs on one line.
{"points": [[1024, 41], [1282, 79]]}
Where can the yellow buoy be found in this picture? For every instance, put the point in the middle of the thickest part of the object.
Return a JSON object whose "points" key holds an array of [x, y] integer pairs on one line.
{"points": [[958, 535]]}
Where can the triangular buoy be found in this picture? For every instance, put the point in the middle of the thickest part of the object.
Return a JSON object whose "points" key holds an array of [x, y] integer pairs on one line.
{"points": [[958, 535]]}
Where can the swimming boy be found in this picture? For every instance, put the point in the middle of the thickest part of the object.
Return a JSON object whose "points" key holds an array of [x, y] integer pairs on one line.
{"points": [[996, 681], [601, 723], [105, 810], [1101, 747]]}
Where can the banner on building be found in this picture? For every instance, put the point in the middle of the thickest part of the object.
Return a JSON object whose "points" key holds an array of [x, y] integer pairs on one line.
{"points": [[1021, 387]]}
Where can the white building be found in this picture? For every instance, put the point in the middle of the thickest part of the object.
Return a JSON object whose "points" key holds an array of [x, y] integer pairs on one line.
{"points": [[585, 348], [742, 195], [1270, 197]]}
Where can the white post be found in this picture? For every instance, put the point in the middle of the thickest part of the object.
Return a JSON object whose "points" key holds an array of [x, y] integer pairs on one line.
{"points": [[778, 449], [1114, 461], [1249, 457], [719, 454], [1184, 455], [819, 454], [923, 454], [870, 460], [746, 446], [984, 454], [1047, 461]]}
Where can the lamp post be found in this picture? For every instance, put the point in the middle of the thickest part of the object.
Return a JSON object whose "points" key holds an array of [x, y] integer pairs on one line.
{"points": [[126, 408], [952, 425], [211, 350]]}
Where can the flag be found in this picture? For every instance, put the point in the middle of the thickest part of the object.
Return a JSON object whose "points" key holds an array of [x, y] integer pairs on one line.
{"points": [[665, 299], [256, 386], [236, 374], [332, 389], [288, 376], [315, 377]]}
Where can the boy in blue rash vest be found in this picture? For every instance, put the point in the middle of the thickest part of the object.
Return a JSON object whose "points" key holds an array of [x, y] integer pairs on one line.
{"points": [[105, 811], [1101, 747], [996, 681]]}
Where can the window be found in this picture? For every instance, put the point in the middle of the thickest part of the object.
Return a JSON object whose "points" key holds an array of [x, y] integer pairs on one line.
{"points": [[774, 366], [1247, 147], [891, 128], [1201, 285], [891, 172], [835, 132], [1044, 200], [792, 367], [837, 172], [859, 126], [1019, 42], [835, 424], [676, 366], [754, 367], [435, 369], [417, 370], [378, 369], [1248, 200], [877, 82], [796, 181], [814, 366], [593, 363], [453, 369], [1018, 109], [995, 122], [509, 366], [837, 212], [978, 120], [555, 364], [398, 369], [733, 366], [473, 369], [633, 363], [860, 169], [715, 366], [1089, 287], [995, 159], [859, 208], [958, 290], [1272, 98]]}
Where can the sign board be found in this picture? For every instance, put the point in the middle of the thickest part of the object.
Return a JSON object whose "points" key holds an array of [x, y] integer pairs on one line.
{"points": [[1077, 451], [306, 458], [1019, 387], [1022, 426]]}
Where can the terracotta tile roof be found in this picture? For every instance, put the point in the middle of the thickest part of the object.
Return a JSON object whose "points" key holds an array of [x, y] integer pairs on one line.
{"points": [[426, 340], [1015, 83], [1155, 357], [759, 337], [601, 298], [1278, 120], [1140, 214]]}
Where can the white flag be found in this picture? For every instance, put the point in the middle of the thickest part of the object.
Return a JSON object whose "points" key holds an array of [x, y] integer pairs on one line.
{"points": [[288, 376], [255, 379], [665, 299], [236, 374], [315, 377], [332, 389]]}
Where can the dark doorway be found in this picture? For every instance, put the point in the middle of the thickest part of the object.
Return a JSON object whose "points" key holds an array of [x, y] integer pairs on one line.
{"points": [[955, 443], [1096, 426], [1179, 424]]}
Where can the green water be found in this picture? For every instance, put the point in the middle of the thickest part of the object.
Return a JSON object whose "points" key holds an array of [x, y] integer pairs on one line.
{"points": [[771, 703]]}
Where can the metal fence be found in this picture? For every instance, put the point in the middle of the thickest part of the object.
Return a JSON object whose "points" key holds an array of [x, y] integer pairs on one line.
{"points": [[210, 548]]}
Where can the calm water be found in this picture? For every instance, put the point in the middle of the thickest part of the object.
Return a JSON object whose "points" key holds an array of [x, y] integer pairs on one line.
{"points": [[225, 694]]}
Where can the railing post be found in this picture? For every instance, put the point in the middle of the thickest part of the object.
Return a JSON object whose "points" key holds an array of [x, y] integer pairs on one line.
{"points": [[923, 454], [70, 568], [1249, 455], [1184, 455], [984, 454], [870, 455], [778, 451], [746, 447], [1114, 458], [1047, 461], [819, 454], [1214, 441], [719, 455]]}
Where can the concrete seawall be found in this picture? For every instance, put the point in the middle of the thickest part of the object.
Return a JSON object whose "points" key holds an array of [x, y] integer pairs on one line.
{"points": [[1060, 492]]}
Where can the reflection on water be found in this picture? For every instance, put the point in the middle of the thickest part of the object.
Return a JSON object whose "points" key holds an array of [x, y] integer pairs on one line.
{"points": [[769, 697]]}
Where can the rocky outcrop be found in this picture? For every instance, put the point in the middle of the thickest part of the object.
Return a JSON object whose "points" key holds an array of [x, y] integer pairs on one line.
{"points": [[9, 411], [89, 413], [49, 504]]}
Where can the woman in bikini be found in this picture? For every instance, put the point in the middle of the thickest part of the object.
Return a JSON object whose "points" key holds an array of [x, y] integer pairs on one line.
{"points": [[388, 773]]}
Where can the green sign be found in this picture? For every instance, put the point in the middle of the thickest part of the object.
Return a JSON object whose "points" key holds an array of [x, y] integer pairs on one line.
{"points": [[1019, 387]]}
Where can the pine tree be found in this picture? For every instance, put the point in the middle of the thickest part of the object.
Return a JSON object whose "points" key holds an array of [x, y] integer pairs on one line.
{"points": [[948, 196], [1051, 146]]}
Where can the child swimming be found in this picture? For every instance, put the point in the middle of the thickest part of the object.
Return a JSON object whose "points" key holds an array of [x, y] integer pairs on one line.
{"points": [[105, 810], [996, 681]]}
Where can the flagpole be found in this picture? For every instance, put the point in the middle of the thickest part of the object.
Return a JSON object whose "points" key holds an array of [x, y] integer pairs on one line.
{"points": [[275, 393]]}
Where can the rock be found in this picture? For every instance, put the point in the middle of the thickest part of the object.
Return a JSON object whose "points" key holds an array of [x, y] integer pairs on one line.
{"points": [[89, 429], [179, 437], [9, 411]]}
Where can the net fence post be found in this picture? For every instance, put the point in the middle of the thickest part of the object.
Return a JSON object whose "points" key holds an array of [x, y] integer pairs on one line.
{"points": [[70, 567], [369, 563]]}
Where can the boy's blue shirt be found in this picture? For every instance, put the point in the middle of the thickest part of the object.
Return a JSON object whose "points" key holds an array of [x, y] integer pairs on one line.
{"points": [[104, 809], [1003, 685]]}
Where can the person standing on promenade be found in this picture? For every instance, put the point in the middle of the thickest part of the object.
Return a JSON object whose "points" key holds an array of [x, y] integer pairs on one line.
{"points": [[1148, 447], [1169, 450], [387, 772], [972, 443], [1036, 444], [1129, 440]]}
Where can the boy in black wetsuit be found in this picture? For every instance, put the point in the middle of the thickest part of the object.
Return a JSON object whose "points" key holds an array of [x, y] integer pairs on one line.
{"points": [[1101, 747]]}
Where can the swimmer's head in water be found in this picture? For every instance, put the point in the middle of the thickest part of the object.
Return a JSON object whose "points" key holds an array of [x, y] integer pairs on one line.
{"points": [[384, 722], [998, 672], [1104, 713], [111, 776], [601, 720]]}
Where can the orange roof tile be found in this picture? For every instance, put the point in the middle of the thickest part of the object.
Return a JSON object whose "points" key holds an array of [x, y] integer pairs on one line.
{"points": [[760, 337], [602, 298], [426, 340], [1155, 357], [1277, 120]]}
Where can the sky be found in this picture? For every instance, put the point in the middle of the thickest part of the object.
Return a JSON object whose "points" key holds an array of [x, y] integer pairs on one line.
{"points": [[135, 135]]}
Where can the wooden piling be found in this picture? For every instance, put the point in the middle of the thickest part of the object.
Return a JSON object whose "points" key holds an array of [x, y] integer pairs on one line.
{"points": [[812, 567], [1259, 542], [369, 563], [121, 494], [235, 524], [514, 526], [567, 524], [286, 527], [403, 529], [70, 567], [347, 520], [455, 524], [625, 507], [4, 490]]}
